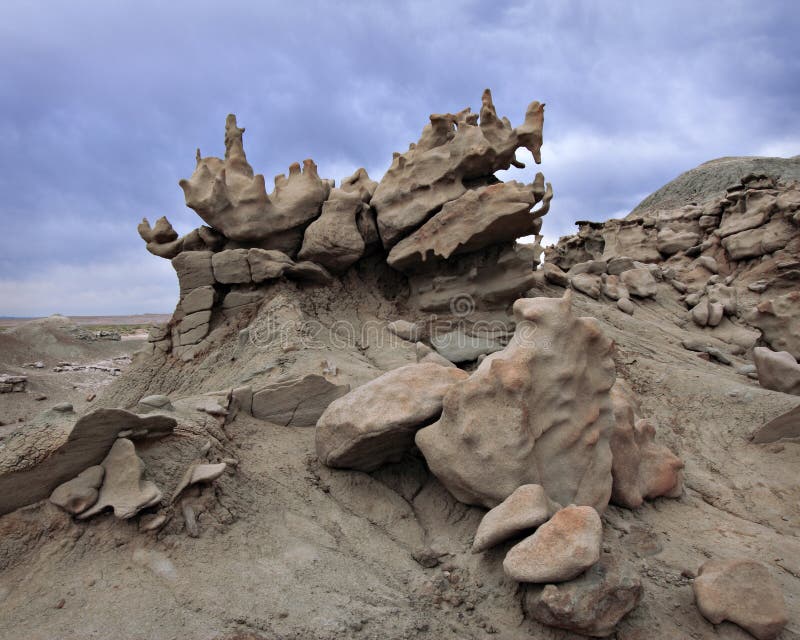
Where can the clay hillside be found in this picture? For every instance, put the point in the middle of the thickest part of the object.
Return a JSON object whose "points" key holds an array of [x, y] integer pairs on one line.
{"points": [[375, 414]]}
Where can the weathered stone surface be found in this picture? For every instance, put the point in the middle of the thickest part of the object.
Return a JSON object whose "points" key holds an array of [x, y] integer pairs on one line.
{"points": [[80, 493], [778, 371], [639, 282], [460, 346], [453, 149], [537, 412], [298, 402], [404, 329], [309, 272], [231, 266], [554, 275], [425, 354], [236, 299], [597, 267], [561, 549], [375, 423], [587, 283], [669, 242], [779, 321], [757, 242], [13, 384], [36, 460], [708, 263], [196, 334], [194, 270], [124, 488], [753, 211], [194, 320], [196, 473], [200, 299], [333, 240], [618, 264], [230, 198], [628, 238], [156, 402], [626, 306], [592, 604], [612, 288], [526, 508], [743, 592], [641, 468], [267, 264], [479, 218]]}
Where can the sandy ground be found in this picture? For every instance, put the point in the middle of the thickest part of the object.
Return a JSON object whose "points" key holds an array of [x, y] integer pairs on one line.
{"points": [[291, 549]]}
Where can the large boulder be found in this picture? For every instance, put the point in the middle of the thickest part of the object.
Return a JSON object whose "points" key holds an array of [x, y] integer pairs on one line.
{"points": [[779, 321], [641, 467], [778, 371], [561, 549], [639, 282], [523, 510], [743, 592], [375, 423], [592, 604], [537, 412]]}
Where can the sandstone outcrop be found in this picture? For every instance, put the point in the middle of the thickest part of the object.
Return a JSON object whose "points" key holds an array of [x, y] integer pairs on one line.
{"points": [[743, 592], [77, 495], [537, 412], [779, 321], [560, 550], [296, 402], [375, 423]]}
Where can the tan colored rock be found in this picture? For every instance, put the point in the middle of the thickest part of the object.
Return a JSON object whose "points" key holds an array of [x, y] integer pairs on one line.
{"points": [[525, 509], [612, 288], [669, 242], [786, 425], [757, 242], [587, 283], [36, 460], [639, 282], [708, 263], [196, 473], [124, 488], [779, 321], [453, 149], [309, 272], [404, 329], [778, 371], [592, 604], [267, 264], [554, 275], [231, 266], [375, 423], [333, 240], [560, 550], [743, 592], [194, 270], [298, 402], [80, 493], [424, 353], [625, 305], [230, 198], [537, 412], [641, 468], [479, 218], [200, 299]]}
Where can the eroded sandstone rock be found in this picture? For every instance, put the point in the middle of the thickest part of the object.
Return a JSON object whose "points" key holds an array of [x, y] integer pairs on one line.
{"points": [[778, 371], [375, 423], [537, 412], [561, 549], [297, 402], [743, 592], [525, 509], [779, 321], [80, 493]]}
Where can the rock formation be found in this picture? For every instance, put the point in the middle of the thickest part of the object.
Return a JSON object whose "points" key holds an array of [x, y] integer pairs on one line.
{"points": [[525, 509]]}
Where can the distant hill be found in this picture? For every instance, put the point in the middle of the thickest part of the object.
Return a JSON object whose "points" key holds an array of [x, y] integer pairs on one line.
{"points": [[711, 178]]}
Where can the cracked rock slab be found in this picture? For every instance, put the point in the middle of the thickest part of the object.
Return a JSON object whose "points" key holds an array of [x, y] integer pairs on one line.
{"points": [[298, 402]]}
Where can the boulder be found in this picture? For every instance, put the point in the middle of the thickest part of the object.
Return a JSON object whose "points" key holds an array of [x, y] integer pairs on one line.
{"points": [[375, 423], [526, 508], [404, 329], [625, 305], [617, 264], [298, 402], [592, 604], [586, 283], [124, 488], [641, 468], [779, 321], [425, 354], [596, 267], [537, 412], [669, 242], [639, 282], [708, 263], [560, 550], [757, 242], [743, 592], [612, 288], [778, 371], [309, 272], [200, 299], [36, 460], [554, 275], [77, 495], [459, 345], [786, 425], [156, 402], [194, 270], [231, 266], [196, 473]]}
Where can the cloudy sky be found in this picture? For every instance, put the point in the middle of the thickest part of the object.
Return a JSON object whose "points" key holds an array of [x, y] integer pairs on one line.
{"points": [[102, 105]]}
